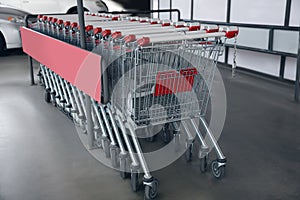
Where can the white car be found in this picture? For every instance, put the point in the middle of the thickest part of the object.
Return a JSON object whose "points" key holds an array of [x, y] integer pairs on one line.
{"points": [[10, 21], [12, 15], [62, 6]]}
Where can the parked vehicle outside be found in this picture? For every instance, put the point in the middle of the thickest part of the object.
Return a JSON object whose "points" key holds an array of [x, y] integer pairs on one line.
{"points": [[62, 6], [11, 19]]}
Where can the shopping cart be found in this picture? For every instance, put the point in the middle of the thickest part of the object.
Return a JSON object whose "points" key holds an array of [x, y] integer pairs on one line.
{"points": [[154, 73]]}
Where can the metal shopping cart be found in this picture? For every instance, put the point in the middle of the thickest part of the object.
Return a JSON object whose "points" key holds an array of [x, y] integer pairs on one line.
{"points": [[153, 73]]}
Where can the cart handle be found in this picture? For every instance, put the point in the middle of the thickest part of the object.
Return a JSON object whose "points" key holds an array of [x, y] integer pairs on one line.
{"points": [[227, 32]]}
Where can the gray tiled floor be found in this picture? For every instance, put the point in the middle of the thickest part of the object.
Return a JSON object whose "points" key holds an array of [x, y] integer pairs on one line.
{"points": [[41, 156]]}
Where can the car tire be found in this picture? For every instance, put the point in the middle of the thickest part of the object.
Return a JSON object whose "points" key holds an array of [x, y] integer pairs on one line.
{"points": [[74, 10], [2, 44], [105, 6]]}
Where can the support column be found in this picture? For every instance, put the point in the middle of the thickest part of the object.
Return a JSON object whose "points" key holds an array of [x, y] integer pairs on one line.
{"points": [[88, 103]]}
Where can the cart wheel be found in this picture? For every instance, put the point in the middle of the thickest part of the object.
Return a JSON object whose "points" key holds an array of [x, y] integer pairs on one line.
{"points": [[189, 153], [98, 142], [151, 192], [217, 171], [203, 164], [114, 157], [176, 142], [123, 172], [151, 138], [47, 97], [106, 148], [166, 136], [134, 181]]}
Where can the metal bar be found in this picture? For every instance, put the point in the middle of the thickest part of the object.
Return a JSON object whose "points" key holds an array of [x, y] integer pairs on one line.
{"points": [[282, 67], [139, 152], [110, 132], [213, 140], [263, 51], [88, 103], [192, 9], [271, 39], [158, 2], [170, 9], [297, 72], [287, 12], [226, 55], [263, 26], [31, 70], [228, 11], [27, 17], [146, 12], [80, 12], [203, 143], [116, 131], [127, 141]]}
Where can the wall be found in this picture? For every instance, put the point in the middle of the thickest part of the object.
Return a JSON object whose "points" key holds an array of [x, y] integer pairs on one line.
{"points": [[266, 12]]}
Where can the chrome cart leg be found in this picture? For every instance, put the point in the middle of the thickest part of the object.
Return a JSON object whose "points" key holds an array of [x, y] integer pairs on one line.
{"points": [[151, 184], [46, 83], [55, 94], [44, 77], [176, 135], [96, 130], [65, 99], [79, 109], [82, 117], [203, 151], [49, 93], [134, 167], [81, 101], [60, 94], [104, 137], [116, 131], [58, 90], [218, 166], [72, 104], [89, 121], [113, 144], [189, 142]]}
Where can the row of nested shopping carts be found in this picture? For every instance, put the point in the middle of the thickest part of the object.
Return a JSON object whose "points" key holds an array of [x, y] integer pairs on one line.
{"points": [[154, 73]]}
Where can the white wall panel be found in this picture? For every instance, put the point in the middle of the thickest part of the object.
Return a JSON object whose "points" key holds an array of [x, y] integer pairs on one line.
{"points": [[260, 62], [154, 6], [184, 7], [295, 13], [249, 37], [164, 4], [286, 41], [269, 12], [290, 68], [222, 57], [210, 10]]}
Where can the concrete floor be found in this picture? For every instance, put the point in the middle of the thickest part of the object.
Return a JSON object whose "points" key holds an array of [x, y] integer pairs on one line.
{"points": [[42, 158]]}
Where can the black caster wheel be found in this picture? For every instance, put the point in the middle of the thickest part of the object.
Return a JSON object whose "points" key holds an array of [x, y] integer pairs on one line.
{"points": [[150, 139], [106, 148], [203, 164], [188, 153], [114, 157], [151, 192], [176, 142], [123, 172], [47, 97], [218, 171], [134, 181], [166, 136]]}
